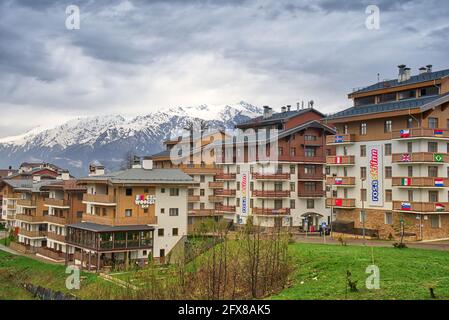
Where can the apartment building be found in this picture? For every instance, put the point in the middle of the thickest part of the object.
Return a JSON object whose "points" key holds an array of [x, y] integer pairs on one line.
{"points": [[131, 216], [4, 173], [391, 168], [287, 191]]}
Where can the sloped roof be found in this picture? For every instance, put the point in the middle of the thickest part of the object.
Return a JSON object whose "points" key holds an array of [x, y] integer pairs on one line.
{"points": [[277, 117], [28, 184], [94, 227]]}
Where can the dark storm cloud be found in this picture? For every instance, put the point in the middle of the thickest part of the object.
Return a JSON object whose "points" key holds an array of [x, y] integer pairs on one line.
{"points": [[132, 55]]}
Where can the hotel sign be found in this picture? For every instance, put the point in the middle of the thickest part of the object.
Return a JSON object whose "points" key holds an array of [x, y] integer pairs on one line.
{"points": [[375, 180], [244, 199], [145, 201]]}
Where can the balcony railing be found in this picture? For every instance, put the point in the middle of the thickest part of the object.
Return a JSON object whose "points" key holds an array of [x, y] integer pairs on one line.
{"points": [[55, 236], [224, 192], [340, 181], [311, 193], [215, 199], [193, 198], [420, 157], [311, 177], [57, 203], [125, 221], [33, 234], [226, 209], [420, 182], [340, 139], [29, 218], [271, 176], [20, 247], [340, 160], [420, 133], [434, 207], [50, 253], [26, 203], [216, 184], [56, 219], [201, 212], [271, 194], [225, 176], [200, 168], [108, 199], [340, 203], [271, 211]]}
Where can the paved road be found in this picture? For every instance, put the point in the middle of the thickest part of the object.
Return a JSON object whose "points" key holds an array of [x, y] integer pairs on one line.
{"points": [[442, 245]]}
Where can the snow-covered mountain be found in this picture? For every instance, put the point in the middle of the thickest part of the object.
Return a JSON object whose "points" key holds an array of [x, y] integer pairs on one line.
{"points": [[109, 139]]}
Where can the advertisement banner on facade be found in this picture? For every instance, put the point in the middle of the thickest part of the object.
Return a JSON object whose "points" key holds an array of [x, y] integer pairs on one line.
{"points": [[375, 176], [244, 200]]}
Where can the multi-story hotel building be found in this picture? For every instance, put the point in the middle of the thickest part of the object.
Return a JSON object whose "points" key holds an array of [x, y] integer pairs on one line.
{"points": [[391, 168], [287, 191], [131, 216]]}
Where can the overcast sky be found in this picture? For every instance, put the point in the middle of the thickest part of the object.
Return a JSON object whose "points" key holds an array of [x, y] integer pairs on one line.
{"points": [[133, 57]]}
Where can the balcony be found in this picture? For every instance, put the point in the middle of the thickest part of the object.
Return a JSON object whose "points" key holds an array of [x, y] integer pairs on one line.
{"points": [[104, 199], [310, 177], [32, 234], [59, 203], [27, 203], [50, 253], [225, 176], [425, 207], [215, 199], [271, 194], [29, 218], [202, 212], [56, 219], [11, 206], [341, 181], [273, 176], [340, 139], [125, 221], [225, 209], [55, 236], [340, 203], [420, 157], [224, 192], [420, 182], [193, 198], [216, 184], [419, 133], [340, 160], [199, 168], [311, 193], [271, 212]]}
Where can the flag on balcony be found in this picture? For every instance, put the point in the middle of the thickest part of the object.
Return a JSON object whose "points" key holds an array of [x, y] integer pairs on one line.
{"points": [[437, 157], [338, 139], [439, 207], [338, 202], [338, 181], [338, 160], [439, 183], [406, 157], [438, 132], [406, 206], [405, 133], [406, 182]]}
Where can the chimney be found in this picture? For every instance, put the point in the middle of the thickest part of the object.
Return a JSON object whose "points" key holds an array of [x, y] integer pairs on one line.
{"points": [[283, 109], [302, 104], [96, 169], [401, 72], [422, 70], [289, 107], [147, 164], [429, 68], [407, 74], [297, 106], [136, 163], [311, 103], [265, 112]]}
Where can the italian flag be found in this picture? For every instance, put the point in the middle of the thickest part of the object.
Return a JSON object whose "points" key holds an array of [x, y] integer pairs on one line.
{"points": [[406, 182], [439, 207]]}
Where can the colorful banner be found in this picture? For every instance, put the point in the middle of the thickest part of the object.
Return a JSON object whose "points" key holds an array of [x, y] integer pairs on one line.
{"points": [[244, 199], [338, 139], [438, 132], [406, 181], [375, 178], [145, 200], [406, 206], [406, 157], [338, 181], [439, 207]]}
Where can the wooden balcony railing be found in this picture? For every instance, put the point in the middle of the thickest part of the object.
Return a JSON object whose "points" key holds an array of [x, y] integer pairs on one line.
{"points": [[11, 206], [420, 157], [215, 199], [57, 203], [311, 177], [434, 207], [340, 203], [200, 168], [340, 139], [216, 184], [420, 133], [193, 198], [26, 203], [271, 211], [340, 181], [202, 212], [29, 218], [311, 193], [125, 221], [55, 236], [226, 209], [33, 234], [56, 219], [108, 199], [225, 176], [272, 176], [271, 193], [50, 253], [224, 192], [340, 160], [420, 182]]}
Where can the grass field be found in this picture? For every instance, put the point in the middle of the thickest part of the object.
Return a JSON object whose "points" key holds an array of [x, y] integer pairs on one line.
{"points": [[404, 273]]}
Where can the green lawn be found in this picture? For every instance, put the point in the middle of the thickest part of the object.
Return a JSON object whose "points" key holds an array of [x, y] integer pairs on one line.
{"points": [[404, 273]]}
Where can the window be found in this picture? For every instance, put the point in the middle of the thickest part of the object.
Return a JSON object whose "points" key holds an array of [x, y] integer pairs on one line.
{"points": [[388, 173], [410, 195], [128, 192], [292, 204], [433, 196], [174, 212], [292, 169], [345, 129], [388, 195], [409, 147], [292, 186], [410, 171], [292, 152], [309, 152], [310, 204], [432, 172], [309, 186], [429, 91], [237, 168], [388, 149], [362, 173], [202, 178], [160, 232], [388, 218], [163, 209], [281, 151], [309, 137], [174, 232], [410, 123], [309, 170], [237, 202], [162, 190], [388, 126], [278, 186], [407, 94], [363, 194], [162, 253], [387, 97], [435, 221], [128, 212], [363, 128], [432, 146], [433, 123], [363, 151], [174, 192]]}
